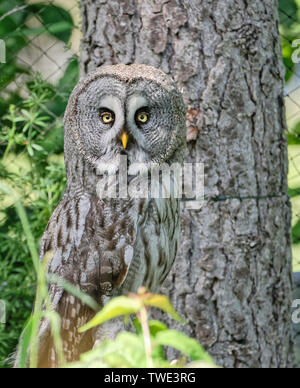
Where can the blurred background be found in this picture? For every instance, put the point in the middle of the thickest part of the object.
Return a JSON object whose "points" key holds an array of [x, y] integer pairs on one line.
{"points": [[289, 13], [42, 40]]}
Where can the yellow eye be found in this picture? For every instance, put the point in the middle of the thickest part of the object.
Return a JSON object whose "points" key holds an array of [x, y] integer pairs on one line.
{"points": [[107, 117], [143, 117]]}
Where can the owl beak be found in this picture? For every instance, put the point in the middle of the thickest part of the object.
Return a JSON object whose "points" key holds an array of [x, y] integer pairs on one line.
{"points": [[124, 139]]}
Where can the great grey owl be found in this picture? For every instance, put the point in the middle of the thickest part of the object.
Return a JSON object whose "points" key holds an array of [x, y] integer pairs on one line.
{"points": [[108, 247]]}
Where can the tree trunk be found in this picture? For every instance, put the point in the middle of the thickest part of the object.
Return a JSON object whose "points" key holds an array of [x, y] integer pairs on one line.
{"points": [[233, 277]]}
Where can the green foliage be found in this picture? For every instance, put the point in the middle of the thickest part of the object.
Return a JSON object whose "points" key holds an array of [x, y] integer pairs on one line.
{"points": [[26, 129], [146, 347], [63, 90], [296, 233], [289, 29], [294, 192], [188, 346], [294, 135], [31, 131], [128, 351], [131, 305], [143, 349], [162, 302], [289, 14], [55, 21], [117, 307], [287, 11]]}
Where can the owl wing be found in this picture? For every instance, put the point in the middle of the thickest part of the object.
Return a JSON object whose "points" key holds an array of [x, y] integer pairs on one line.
{"points": [[62, 238], [92, 242], [155, 246]]}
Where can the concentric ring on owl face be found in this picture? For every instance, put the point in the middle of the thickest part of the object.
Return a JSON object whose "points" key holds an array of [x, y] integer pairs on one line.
{"points": [[111, 103], [124, 100]]}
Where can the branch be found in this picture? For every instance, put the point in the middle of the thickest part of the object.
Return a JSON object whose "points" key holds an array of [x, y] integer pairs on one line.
{"points": [[12, 11]]}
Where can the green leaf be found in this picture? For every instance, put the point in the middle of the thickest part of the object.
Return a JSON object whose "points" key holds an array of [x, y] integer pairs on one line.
{"points": [[15, 42], [293, 139], [121, 306], [288, 12], [294, 135], [287, 59], [296, 233], [54, 29], [53, 140], [13, 21], [188, 346], [13, 99], [64, 88], [127, 351], [30, 150], [70, 78], [56, 21], [8, 73], [294, 192], [130, 352], [7, 6], [154, 326], [37, 147], [162, 302], [24, 345], [296, 129]]}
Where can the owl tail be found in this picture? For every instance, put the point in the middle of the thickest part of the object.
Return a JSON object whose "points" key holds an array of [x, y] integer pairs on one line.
{"points": [[74, 314]]}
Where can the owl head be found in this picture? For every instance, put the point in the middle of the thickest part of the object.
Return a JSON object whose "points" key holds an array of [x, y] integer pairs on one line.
{"points": [[132, 110]]}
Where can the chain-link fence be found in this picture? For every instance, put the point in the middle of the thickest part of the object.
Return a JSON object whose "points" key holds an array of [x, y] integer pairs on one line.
{"points": [[289, 13], [39, 37]]}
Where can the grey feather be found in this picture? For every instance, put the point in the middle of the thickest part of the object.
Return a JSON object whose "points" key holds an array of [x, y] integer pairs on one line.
{"points": [[109, 247]]}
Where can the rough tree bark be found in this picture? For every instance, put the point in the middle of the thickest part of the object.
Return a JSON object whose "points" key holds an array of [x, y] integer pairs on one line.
{"points": [[233, 276]]}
